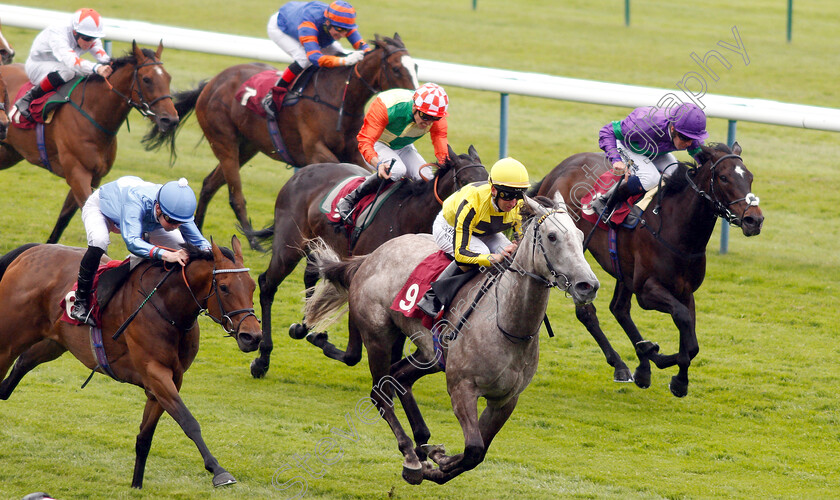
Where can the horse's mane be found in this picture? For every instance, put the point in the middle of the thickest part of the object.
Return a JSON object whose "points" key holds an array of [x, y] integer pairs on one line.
{"points": [[197, 253], [411, 188], [677, 180], [129, 59], [528, 214], [385, 42]]}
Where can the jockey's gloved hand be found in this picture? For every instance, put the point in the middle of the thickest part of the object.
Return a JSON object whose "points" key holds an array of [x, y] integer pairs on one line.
{"points": [[353, 58]]}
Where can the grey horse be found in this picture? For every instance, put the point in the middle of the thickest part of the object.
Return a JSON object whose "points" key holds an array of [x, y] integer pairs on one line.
{"points": [[493, 354]]}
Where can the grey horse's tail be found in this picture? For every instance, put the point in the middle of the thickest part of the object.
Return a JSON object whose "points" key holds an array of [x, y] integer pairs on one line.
{"points": [[329, 297]]}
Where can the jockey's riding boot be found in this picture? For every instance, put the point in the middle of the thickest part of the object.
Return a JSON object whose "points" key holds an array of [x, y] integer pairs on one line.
{"points": [[429, 303], [81, 307], [345, 205], [23, 103], [605, 203], [285, 81]]}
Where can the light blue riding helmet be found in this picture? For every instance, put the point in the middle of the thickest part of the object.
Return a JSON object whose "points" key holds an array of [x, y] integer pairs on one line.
{"points": [[177, 200]]}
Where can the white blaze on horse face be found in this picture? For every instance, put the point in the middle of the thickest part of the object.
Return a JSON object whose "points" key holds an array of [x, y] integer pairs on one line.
{"points": [[409, 65], [739, 170], [159, 71]]}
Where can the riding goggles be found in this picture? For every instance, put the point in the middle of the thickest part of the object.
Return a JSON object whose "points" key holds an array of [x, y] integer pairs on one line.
{"points": [[86, 38], [429, 118], [509, 194]]}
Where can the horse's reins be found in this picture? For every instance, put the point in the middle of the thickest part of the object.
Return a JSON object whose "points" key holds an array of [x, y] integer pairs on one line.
{"points": [[226, 319], [145, 108], [458, 184]]}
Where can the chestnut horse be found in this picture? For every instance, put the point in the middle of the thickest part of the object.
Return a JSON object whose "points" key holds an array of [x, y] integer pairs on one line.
{"points": [[320, 128], [663, 260], [298, 219], [7, 53], [493, 355], [81, 139], [155, 349]]}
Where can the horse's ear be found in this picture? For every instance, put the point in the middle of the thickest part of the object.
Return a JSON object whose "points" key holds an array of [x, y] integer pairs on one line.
{"points": [[397, 38], [705, 155], [473, 154], [237, 248], [533, 206], [136, 51], [736, 148], [558, 199], [451, 152], [159, 50], [217, 252]]}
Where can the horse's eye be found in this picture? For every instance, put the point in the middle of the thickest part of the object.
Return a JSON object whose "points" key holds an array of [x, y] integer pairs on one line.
{"points": [[147, 80], [552, 237], [396, 71], [223, 288], [723, 178]]}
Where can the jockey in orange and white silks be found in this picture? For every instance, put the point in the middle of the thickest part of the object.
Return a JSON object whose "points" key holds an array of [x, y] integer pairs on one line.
{"points": [[310, 31], [395, 120], [56, 55]]}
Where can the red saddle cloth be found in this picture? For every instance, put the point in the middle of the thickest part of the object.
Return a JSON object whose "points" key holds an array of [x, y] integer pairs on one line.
{"points": [[94, 303], [251, 93], [417, 284], [345, 189], [602, 185], [36, 108]]}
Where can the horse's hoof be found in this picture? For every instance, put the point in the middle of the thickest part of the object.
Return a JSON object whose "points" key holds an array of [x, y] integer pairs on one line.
{"points": [[298, 331], [255, 246], [622, 375], [678, 387], [317, 339], [258, 368], [223, 479], [642, 378], [645, 348], [412, 476], [434, 451]]}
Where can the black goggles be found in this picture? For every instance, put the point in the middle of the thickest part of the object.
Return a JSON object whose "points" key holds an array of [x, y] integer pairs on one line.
{"points": [[86, 38], [429, 118], [684, 137], [510, 194], [170, 220]]}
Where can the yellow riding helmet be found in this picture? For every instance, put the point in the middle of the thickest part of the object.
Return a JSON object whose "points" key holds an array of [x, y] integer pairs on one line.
{"points": [[509, 173]]}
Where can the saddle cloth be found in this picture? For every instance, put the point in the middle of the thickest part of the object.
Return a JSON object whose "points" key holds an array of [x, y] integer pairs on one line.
{"points": [[602, 185], [417, 284], [363, 207], [252, 91], [42, 108], [105, 283]]}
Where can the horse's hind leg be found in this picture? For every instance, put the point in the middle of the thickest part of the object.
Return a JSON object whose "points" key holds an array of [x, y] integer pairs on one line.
{"points": [[586, 314], [40, 352], [211, 184], [68, 210]]}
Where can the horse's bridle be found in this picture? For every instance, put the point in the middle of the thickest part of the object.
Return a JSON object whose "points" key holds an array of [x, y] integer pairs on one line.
{"points": [[145, 108], [383, 64], [539, 244], [720, 209], [226, 320]]}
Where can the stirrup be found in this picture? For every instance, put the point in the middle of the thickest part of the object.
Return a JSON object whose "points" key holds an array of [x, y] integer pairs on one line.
{"points": [[82, 313]]}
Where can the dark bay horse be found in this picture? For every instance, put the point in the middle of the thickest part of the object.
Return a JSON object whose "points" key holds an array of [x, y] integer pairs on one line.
{"points": [[81, 145], [4, 107], [156, 348], [495, 353], [320, 128], [663, 260], [298, 220], [7, 53]]}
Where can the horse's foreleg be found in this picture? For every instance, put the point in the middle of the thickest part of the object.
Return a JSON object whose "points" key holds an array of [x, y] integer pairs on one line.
{"points": [[159, 381], [407, 371], [586, 314], [620, 309], [657, 297], [464, 398], [41, 352], [67, 211], [151, 416], [351, 356], [379, 356]]}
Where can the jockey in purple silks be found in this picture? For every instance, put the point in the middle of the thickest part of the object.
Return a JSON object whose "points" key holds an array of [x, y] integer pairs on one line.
{"points": [[646, 138]]}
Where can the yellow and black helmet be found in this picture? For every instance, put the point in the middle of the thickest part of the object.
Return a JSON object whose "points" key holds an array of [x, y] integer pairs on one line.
{"points": [[510, 176]]}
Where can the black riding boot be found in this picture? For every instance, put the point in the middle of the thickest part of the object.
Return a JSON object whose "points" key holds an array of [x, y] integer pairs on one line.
{"points": [[345, 205], [23, 103], [81, 307], [429, 303], [605, 203], [285, 81]]}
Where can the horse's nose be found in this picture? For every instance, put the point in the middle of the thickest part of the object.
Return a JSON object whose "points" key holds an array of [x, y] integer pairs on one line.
{"points": [[586, 290], [166, 123], [249, 341], [4, 127], [751, 224]]}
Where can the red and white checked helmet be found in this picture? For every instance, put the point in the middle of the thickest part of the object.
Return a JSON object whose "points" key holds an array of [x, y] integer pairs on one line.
{"points": [[88, 22], [431, 99]]}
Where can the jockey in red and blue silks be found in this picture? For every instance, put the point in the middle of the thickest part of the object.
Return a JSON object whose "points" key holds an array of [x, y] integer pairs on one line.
{"points": [[647, 136], [310, 31]]}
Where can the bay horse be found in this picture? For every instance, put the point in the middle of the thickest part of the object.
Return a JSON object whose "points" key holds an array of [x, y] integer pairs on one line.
{"points": [[7, 53], [663, 261], [320, 128], [4, 107], [298, 220], [492, 355], [81, 139], [156, 348]]}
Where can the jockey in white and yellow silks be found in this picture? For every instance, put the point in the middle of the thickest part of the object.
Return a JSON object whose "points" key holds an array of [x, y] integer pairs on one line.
{"points": [[395, 120], [471, 225], [55, 56]]}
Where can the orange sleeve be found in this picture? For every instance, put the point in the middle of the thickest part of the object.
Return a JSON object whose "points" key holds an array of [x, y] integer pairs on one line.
{"points": [[438, 133], [376, 120]]}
